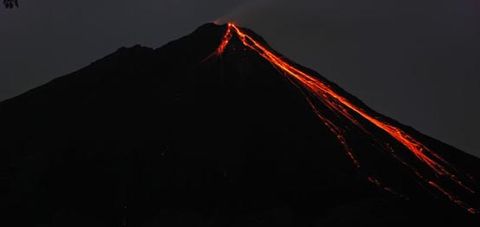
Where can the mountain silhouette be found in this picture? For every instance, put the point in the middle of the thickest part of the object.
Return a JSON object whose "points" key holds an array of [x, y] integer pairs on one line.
{"points": [[218, 129]]}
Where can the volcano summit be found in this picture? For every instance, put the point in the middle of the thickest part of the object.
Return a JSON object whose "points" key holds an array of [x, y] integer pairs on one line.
{"points": [[218, 129]]}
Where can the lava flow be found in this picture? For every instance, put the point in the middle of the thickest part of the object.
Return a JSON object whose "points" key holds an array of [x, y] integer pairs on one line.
{"points": [[342, 106]]}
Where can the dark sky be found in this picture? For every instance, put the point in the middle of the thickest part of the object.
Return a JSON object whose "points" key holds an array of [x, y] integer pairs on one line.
{"points": [[414, 60]]}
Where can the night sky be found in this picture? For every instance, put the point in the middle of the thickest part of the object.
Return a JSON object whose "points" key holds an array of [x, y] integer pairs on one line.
{"points": [[414, 60]]}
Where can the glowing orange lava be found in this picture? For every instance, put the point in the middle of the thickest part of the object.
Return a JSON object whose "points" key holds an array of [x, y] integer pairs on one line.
{"points": [[225, 41], [341, 105]]}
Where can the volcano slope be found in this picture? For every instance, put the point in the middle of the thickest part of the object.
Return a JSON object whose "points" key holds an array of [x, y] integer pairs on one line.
{"points": [[217, 129]]}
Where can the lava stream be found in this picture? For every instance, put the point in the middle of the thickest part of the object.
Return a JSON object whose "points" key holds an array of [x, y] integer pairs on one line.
{"points": [[341, 105]]}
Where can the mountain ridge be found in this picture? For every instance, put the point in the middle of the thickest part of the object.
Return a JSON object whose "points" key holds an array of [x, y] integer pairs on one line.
{"points": [[141, 104]]}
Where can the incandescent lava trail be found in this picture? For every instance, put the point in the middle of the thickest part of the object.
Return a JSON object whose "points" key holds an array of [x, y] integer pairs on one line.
{"points": [[440, 170]]}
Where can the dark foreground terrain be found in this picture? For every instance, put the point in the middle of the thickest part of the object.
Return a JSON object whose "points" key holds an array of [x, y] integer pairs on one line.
{"points": [[166, 137]]}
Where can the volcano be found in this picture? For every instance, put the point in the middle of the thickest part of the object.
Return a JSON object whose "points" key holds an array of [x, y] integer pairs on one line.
{"points": [[218, 129]]}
